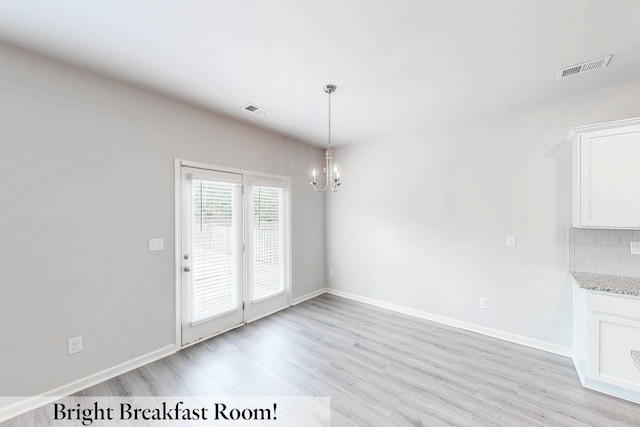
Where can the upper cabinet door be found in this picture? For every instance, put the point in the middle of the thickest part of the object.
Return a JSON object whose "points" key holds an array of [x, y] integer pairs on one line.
{"points": [[606, 175]]}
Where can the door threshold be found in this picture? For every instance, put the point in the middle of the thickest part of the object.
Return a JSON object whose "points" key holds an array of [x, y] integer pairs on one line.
{"points": [[198, 341]]}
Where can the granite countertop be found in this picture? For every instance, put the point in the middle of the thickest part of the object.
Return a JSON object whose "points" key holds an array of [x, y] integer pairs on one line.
{"points": [[607, 283]]}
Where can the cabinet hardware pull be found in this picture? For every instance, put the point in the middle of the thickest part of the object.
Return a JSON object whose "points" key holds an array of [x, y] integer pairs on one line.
{"points": [[635, 358]]}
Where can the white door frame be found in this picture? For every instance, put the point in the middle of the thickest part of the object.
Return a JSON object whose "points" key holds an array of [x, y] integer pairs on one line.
{"points": [[178, 164]]}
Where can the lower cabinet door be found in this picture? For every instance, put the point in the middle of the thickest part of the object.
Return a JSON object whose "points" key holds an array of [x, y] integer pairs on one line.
{"points": [[615, 350]]}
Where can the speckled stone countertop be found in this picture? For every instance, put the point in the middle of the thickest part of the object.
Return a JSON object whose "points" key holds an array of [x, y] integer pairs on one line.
{"points": [[607, 283]]}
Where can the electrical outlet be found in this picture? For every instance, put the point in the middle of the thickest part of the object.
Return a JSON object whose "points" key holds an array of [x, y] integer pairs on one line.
{"points": [[75, 345], [156, 244], [330, 273], [635, 248], [484, 303], [511, 240]]}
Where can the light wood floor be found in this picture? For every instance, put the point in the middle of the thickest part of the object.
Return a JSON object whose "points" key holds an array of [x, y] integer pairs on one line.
{"points": [[381, 368]]}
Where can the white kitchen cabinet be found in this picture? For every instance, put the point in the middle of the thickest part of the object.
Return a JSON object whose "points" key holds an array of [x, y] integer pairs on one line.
{"points": [[613, 339], [606, 342], [606, 175]]}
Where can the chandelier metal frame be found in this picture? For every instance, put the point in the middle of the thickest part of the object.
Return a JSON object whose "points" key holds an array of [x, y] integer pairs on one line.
{"points": [[330, 170]]}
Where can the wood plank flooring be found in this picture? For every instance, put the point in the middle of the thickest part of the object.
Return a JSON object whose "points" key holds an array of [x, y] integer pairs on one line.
{"points": [[380, 369]]}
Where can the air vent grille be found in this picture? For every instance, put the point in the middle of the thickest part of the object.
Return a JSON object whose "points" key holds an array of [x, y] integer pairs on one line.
{"points": [[584, 67], [252, 108]]}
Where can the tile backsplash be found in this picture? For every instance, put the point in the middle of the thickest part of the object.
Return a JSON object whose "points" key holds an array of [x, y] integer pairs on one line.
{"points": [[603, 251]]}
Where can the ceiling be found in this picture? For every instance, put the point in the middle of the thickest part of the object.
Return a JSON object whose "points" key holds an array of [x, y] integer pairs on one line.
{"points": [[400, 65]]}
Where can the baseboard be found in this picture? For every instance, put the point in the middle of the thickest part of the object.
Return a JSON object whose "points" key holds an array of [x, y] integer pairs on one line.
{"points": [[308, 296], [506, 336], [631, 396], [20, 405]]}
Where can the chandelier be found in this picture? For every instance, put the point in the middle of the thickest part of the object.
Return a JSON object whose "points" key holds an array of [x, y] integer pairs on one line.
{"points": [[330, 170]]}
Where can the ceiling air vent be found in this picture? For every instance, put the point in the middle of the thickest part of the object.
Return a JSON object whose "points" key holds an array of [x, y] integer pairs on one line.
{"points": [[584, 67], [252, 108]]}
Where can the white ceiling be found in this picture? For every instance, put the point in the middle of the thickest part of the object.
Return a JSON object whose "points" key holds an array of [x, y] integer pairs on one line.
{"points": [[400, 65]]}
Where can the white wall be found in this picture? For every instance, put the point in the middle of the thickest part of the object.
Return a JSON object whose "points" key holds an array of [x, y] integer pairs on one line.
{"points": [[421, 219], [86, 178]]}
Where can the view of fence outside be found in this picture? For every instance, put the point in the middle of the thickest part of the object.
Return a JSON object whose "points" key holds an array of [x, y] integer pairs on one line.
{"points": [[265, 253]]}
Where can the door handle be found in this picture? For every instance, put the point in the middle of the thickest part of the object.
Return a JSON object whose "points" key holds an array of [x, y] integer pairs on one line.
{"points": [[186, 269]]}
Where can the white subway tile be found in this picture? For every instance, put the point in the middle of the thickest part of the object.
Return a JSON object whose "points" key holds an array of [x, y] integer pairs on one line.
{"points": [[602, 237]]}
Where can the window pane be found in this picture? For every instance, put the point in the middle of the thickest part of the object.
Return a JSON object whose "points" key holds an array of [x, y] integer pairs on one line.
{"points": [[268, 241], [214, 239]]}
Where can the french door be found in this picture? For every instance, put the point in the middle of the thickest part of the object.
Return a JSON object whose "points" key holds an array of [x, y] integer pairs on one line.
{"points": [[267, 237], [234, 252]]}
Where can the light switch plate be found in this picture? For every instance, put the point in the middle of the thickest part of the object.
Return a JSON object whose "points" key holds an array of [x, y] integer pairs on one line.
{"points": [[635, 248], [156, 244], [511, 240]]}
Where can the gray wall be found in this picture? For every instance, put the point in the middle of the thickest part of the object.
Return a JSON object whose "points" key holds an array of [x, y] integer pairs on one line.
{"points": [[422, 218], [86, 178]]}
